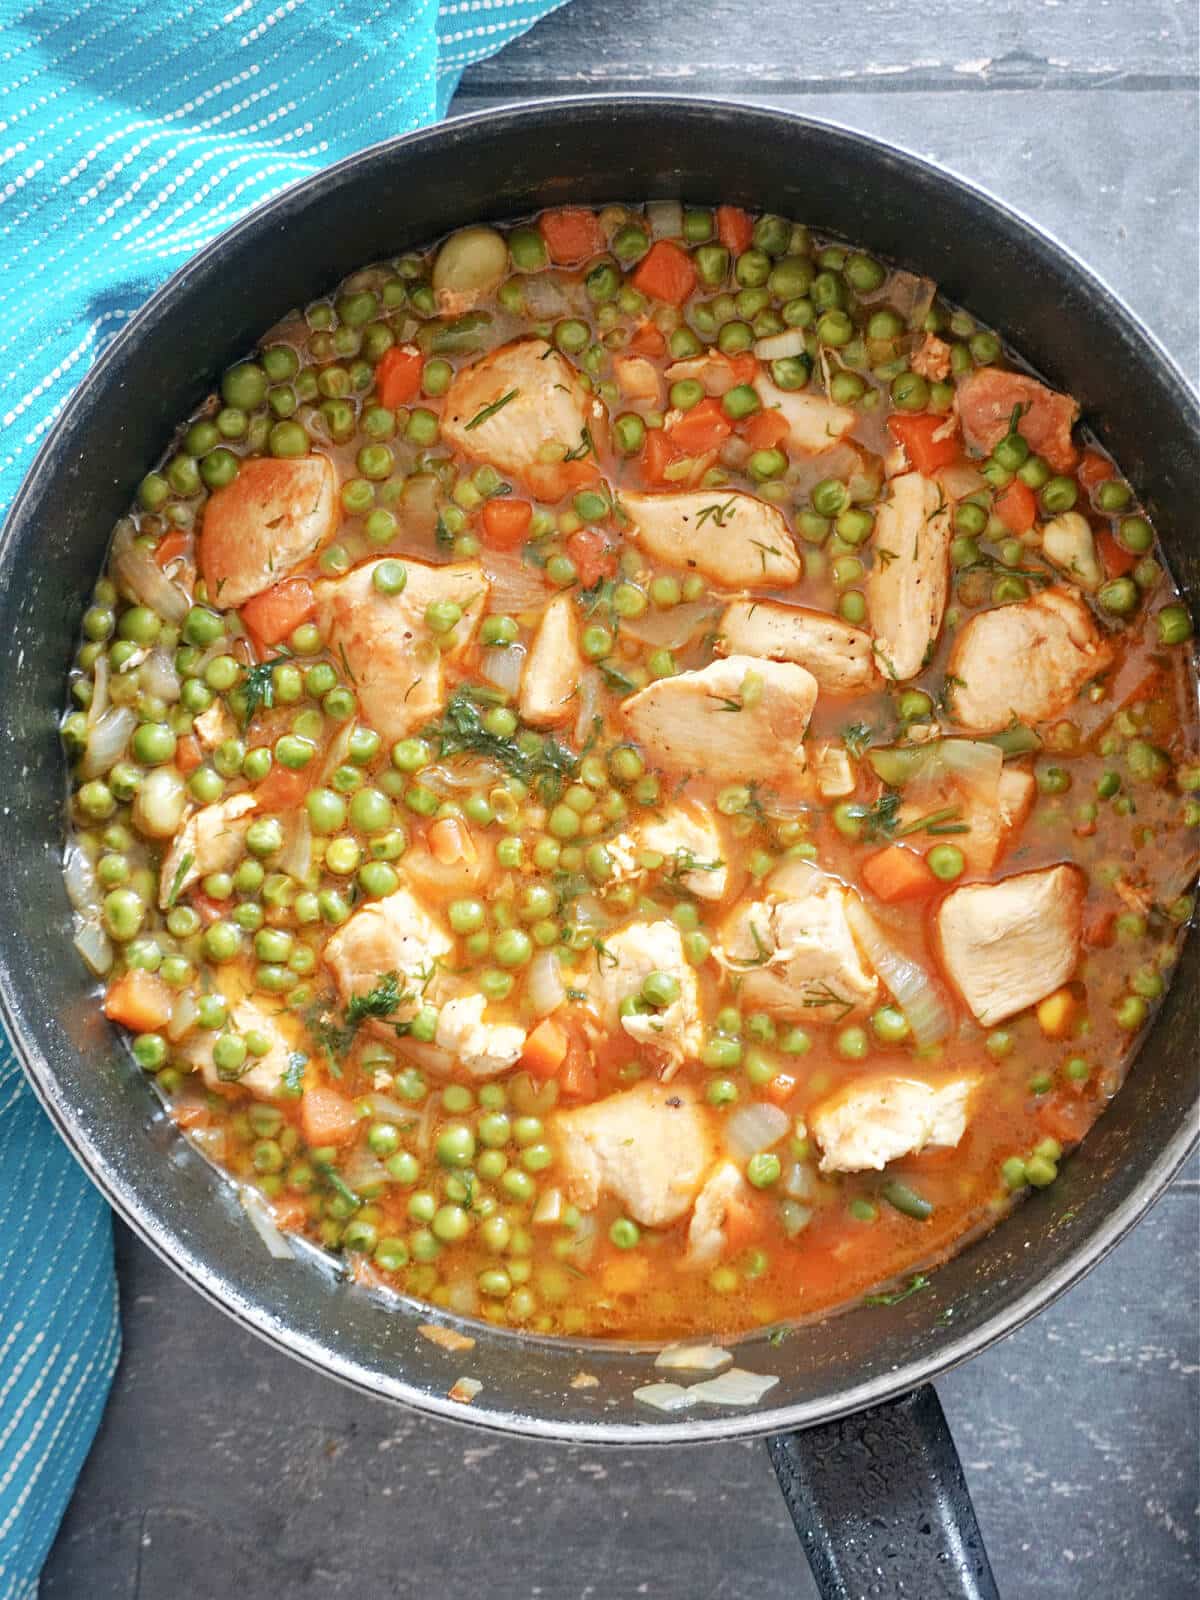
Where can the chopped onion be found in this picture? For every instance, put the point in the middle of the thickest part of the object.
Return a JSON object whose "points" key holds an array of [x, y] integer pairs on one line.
{"points": [[160, 803], [692, 1358], [545, 295], [584, 1240], [296, 856], [665, 218], [544, 988], [800, 1181], [183, 1015], [841, 461], [589, 706], [502, 666], [95, 947], [138, 575], [737, 1387], [666, 1396], [263, 1224], [79, 876], [974, 764], [516, 585], [794, 1217], [755, 1127], [960, 479], [481, 774], [781, 345], [919, 995], [462, 1298], [382, 1105], [99, 703], [670, 629], [549, 1208], [158, 676], [363, 1170], [210, 1140], [107, 738]]}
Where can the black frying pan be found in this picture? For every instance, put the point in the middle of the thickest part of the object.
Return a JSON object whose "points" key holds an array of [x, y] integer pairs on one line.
{"points": [[859, 1441]]}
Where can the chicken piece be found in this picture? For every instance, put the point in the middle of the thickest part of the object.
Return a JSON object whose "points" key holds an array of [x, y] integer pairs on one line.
{"points": [[794, 949], [970, 778], [908, 583], [483, 1048], [931, 358], [686, 835], [623, 962], [262, 1075], [396, 660], [713, 370], [1068, 542], [211, 840], [523, 408], [739, 718], [834, 772], [550, 677], [839, 656], [814, 423], [1025, 662], [987, 400], [649, 1147], [735, 539], [1018, 790], [1007, 945], [724, 1189], [214, 726], [275, 515], [871, 1121], [638, 379], [392, 935]]}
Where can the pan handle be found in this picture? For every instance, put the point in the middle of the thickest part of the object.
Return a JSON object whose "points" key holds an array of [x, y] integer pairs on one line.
{"points": [[881, 1505]]}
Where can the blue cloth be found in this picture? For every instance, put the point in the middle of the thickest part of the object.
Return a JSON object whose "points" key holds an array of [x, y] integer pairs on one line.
{"points": [[130, 135]]}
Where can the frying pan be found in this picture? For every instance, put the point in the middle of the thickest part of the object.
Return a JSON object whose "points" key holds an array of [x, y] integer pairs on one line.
{"points": [[856, 1433]]}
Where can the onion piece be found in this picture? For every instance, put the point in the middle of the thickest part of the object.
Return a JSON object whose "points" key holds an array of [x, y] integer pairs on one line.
{"points": [[960, 479], [210, 1140], [159, 677], [296, 856], [183, 1015], [463, 1299], [545, 295], [800, 1181], [544, 988], [692, 1358], [666, 1396], [778, 346], [670, 629], [79, 877], [584, 1240], [95, 947], [516, 585], [383, 1105], [589, 706], [502, 666], [263, 1224], [107, 738], [549, 1208], [665, 218], [138, 575], [918, 993], [737, 1387], [755, 1127], [363, 1170], [100, 677]]}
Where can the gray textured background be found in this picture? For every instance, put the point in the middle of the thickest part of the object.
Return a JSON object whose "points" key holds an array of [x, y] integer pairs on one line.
{"points": [[222, 1468]]}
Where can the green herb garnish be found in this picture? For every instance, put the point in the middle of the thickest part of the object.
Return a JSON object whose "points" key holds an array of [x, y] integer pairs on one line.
{"points": [[914, 1286], [490, 411]]}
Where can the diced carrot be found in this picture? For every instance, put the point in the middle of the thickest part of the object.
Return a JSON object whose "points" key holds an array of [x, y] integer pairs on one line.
{"points": [[734, 229], [665, 272], [657, 454], [1064, 1119], [169, 546], [1099, 928], [1094, 469], [743, 366], [281, 789], [140, 1001], [702, 428], [1056, 1013], [275, 614], [742, 1222], [593, 556], [546, 1048], [505, 523], [766, 430], [327, 1117], [572, 235], [898, 873], [1016, 506], [780, 1088], [577, 1075], [625, 1274], [916, 433], [398, 375], [188, 755], [648, 340], [1116, 558], [450, 841]]}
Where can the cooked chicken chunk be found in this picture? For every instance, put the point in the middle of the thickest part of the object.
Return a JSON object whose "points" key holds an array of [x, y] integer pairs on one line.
{"points": [[638, 379], [734, 719], [686, 837], [624, 960], [211, 840], [931, 358], [262, 1075], [1068, 542], [649, 1147], [1007, 945], [838, 655], [550, 677], [214, 726], [1025, 662], [714, 370], [395, 934], [871, 1121], [483, 1048], [523, 408], [794, 950], [723, 1189], [396, 659], [834, 772], [907, 586], [735, 539], [989, 798], [273, 516], [814, 423], [987, 400]]}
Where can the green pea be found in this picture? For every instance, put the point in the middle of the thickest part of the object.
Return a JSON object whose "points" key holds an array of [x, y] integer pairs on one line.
{"points": [[946, 861], [853, 1043], [910, 391], [264, 836], [829, 497], [890, 1025], [153, 744], [512, 948], [371, 811], [1120, 596], [221, 941], [740, 401], [1174, 625]]}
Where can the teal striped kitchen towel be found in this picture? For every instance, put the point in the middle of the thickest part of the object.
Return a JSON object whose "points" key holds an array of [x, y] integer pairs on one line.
{"points": [[130, 134]]}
